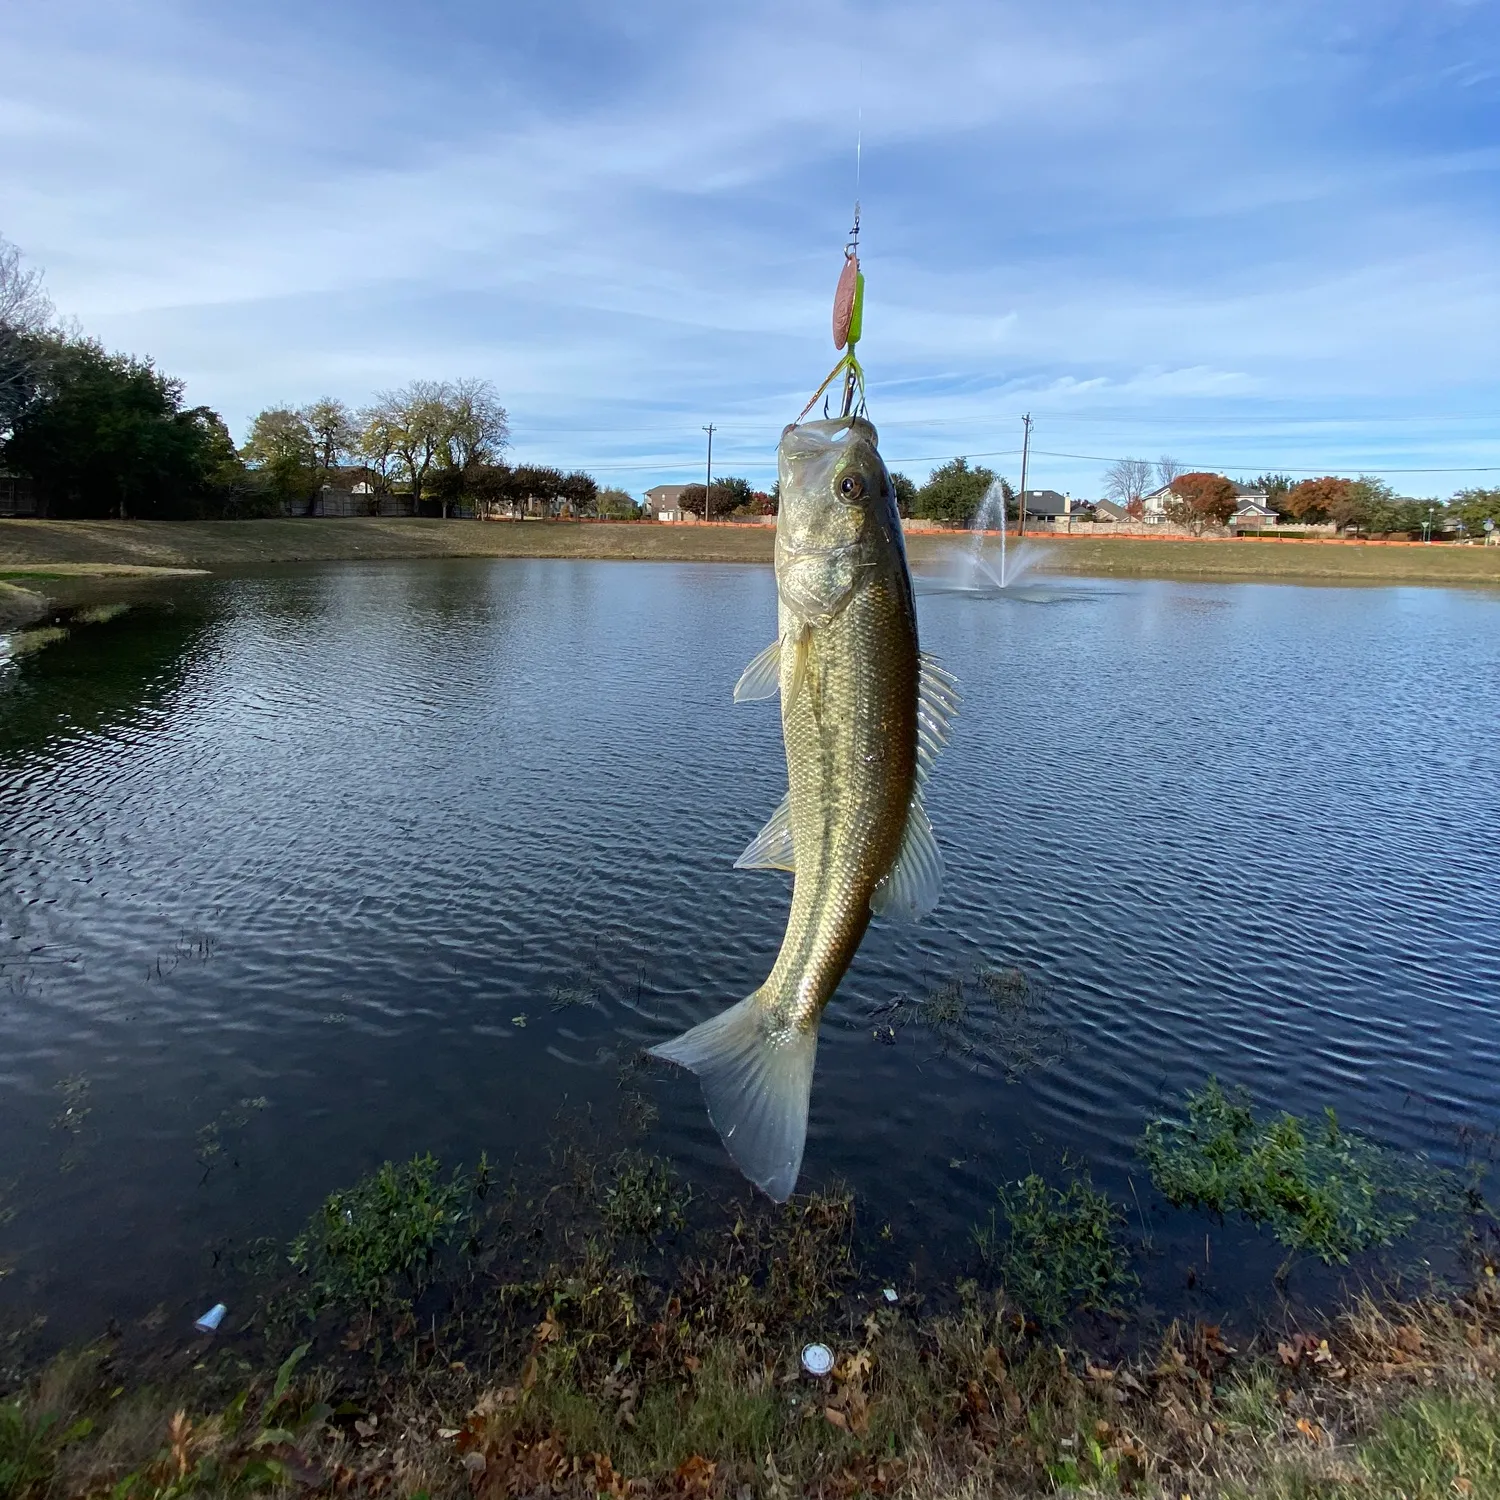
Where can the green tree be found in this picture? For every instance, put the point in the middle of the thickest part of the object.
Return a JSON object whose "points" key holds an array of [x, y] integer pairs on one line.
{"points": [[1275, 486], [953, 493], [537, 484], [729, 494], [283, 451], [1474, 507], [579, 491], [1365, 501], [106, 434]]}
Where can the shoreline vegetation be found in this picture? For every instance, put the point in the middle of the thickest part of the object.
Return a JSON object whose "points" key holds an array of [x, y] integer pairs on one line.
{"points": [[595, 1328]]}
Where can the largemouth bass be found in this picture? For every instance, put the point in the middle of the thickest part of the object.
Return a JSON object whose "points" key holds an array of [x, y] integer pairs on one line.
{"points": [[862, 714]]}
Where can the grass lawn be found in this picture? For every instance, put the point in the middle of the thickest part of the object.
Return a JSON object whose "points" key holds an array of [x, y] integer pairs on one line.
{"points": [[244, 544]]}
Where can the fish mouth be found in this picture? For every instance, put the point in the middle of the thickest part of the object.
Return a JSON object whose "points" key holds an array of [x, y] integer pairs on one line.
{"points": [[802, 440]]}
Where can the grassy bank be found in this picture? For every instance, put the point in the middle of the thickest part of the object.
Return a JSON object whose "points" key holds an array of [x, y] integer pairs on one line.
{"points": [[243, 544], [599, 1364], [580, 1332]]}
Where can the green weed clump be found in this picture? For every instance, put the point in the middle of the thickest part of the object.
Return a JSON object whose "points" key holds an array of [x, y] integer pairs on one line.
{"points": [[1320, 1188], [1061, 1249], [373, 1245], [643, 1197]]}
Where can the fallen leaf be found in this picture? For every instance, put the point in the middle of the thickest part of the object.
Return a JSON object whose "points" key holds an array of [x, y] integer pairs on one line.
{"points": [[695, 1475], [1310, 1430], [475, 1462], [837, 1417]]}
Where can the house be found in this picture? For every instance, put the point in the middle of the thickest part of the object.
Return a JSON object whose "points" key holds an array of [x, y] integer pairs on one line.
{"points": [[1110, 510], [1252, 510], [1252, 507], [664, 502], [1049, 505]]}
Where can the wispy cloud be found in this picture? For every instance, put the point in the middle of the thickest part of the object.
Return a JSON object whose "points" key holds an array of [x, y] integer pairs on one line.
{"points": [[629, 218]]}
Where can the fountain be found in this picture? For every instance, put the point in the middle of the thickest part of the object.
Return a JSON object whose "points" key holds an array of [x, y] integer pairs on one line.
{"points": [[969, 571]]}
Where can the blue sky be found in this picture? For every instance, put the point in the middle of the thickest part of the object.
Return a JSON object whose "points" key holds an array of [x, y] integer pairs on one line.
{"points": [[1251, 236]]}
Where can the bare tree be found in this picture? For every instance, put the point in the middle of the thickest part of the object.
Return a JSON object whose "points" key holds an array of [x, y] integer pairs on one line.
{"points": [[1127, 479], [1167, 469], [25, 310], [24, 306]]}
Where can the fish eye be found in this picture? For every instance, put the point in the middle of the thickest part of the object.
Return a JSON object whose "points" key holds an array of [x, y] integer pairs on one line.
{"points": [[851, 487]]}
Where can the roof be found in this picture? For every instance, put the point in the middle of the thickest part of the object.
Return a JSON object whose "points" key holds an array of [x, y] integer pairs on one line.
{"points": [[1045, 503], [1112, 509], [666, 494]]}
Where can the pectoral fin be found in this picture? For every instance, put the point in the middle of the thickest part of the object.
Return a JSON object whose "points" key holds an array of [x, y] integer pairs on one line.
{"points": [[762, 678], [915, 881], [771, 848]]}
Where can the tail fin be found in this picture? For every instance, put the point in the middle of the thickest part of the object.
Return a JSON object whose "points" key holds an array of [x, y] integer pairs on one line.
{"points": [[756, 1082]]}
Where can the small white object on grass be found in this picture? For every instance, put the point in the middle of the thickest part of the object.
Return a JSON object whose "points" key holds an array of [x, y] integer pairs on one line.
{"points": [[817, 1359], [890, 1294], [209, 1322]]}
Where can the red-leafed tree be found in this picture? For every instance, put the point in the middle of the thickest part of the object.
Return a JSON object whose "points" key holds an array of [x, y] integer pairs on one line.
{"points": [[1317, 499], [1202, 500]]}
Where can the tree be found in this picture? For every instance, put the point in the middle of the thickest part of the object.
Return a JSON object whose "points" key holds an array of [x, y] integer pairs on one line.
{"points": [[906, 494], [729, 494], [954, 492], [283, 450], [579, 491], [537, 483], [1127, 480], [24, 312], [334, 432], [375, 447], [1275, 486], [1201, 500], [491, 487], [1167, 469], [106, 434], [478, 425], [1313, 499], [616, 505], [1474, 507], [417, 421]]}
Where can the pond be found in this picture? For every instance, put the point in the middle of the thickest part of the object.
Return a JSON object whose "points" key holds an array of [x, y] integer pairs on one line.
{"points": [[310, 869]]}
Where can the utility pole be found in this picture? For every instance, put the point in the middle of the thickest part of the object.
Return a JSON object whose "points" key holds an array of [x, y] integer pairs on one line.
{"points": [[708, 474], [1025, 454]]}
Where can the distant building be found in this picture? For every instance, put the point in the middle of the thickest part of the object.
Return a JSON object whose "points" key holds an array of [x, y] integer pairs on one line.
{"points": [[1049, 505], [1252, 507], [664, 502], [1110, 510]]}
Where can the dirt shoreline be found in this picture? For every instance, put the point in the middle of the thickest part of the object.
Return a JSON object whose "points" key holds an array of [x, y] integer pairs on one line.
{"points": [[234, 545]]}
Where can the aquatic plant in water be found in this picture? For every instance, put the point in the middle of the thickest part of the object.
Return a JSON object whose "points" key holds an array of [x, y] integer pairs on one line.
{"points": [[1060, 1250], [1319, 1187]]}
